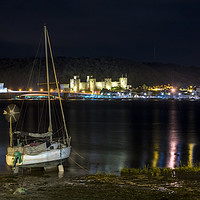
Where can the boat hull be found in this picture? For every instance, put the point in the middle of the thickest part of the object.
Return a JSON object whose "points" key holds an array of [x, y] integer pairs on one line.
{"points": [[46, 158]]}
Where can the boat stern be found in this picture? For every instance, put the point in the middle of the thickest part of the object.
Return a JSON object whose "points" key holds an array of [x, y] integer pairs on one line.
{"points": [[10, 160]]}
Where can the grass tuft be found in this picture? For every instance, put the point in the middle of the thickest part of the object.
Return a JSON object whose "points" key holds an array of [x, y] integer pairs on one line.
{"points": [[178, 171]]}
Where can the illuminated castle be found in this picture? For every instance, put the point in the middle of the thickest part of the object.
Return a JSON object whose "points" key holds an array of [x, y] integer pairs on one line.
{"points": [[92, 85]]}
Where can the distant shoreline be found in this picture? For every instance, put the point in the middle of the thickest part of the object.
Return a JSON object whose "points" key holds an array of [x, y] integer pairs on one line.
{"points": [[15, 96]]}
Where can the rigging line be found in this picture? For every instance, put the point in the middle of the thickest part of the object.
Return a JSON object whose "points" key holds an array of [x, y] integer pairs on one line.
{"points": [[57, 139], [40, 64], [35, 59], [23, 116], [57, 116], [40, 114], [29, 80], [79, 165], [54, 115], [58, 130]]}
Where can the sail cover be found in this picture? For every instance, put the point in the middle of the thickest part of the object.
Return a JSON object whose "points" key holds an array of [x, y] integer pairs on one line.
{"points": [[36, 135]]}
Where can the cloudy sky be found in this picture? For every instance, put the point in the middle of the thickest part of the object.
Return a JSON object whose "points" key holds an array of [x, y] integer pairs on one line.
{"points": [[144, 30]]}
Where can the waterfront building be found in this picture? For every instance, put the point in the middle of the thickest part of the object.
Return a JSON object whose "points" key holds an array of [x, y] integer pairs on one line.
{"points": [[198, 90], [2, 89], [64, 87]]}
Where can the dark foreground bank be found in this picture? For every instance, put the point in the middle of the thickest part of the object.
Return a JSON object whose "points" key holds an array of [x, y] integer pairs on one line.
{"points": [[130, 185]]}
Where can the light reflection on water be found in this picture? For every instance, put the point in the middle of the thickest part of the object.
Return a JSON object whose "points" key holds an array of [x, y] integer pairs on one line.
{"points": [[112, 135], [173, 138]]}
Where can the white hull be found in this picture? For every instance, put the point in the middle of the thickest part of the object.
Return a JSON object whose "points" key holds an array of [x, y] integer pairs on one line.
{"points": [[42, 159]]}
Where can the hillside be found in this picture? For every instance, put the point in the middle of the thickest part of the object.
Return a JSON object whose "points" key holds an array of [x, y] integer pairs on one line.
{"points": [[15, 72]]}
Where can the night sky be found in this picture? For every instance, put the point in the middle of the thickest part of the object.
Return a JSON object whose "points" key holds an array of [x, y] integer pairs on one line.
{"points": [[143, 30]]}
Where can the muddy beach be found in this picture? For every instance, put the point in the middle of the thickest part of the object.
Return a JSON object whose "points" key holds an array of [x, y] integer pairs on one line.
{"points": [[99, 186]]}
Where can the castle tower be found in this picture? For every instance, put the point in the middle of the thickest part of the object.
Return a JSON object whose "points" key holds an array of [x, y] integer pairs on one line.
{"points": [[108, 83], [75, 84], [92, 84], [123, 82], [88, 82]]}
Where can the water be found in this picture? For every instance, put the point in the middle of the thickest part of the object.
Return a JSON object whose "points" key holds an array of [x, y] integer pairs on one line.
{"points": [[111, 135]]}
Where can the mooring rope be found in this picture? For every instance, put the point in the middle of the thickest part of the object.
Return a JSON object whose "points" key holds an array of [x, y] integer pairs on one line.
{"points": [[79, 165], [78, 154]]}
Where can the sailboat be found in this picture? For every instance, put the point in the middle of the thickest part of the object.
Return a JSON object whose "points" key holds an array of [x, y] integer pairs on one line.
{"points": [[48, 153]]}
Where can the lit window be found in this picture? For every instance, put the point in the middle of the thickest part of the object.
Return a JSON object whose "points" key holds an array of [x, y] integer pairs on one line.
{"points": [[173, 90]]}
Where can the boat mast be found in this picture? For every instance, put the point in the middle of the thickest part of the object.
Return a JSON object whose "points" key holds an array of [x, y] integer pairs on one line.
{"points": [[61, 107], [11, 135], [48, 89]]}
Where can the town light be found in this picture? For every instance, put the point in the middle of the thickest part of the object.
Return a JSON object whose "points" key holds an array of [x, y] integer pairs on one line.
{"points": [[173, 90], [41, 90], [20, 89], [51, 90], [30, 90]]}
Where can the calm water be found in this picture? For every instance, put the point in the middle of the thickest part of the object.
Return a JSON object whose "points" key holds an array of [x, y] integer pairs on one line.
{"points": [[111, 135]]}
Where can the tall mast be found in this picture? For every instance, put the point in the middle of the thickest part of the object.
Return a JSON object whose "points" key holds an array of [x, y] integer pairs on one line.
{"points": [[11, 134], [61, 107], [48, 89]]}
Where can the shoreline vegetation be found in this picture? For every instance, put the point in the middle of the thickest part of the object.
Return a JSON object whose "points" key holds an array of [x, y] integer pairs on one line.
{"points": [[14, 71], [147, 183]]}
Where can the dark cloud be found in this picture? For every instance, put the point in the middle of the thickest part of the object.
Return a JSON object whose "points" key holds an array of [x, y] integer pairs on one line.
{"points": [[129, 28]]}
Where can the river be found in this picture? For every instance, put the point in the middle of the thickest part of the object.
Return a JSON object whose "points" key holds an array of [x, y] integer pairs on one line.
{"points": [[110, 135]]}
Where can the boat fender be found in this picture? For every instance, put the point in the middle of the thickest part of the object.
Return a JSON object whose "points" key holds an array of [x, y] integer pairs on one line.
{"points": [[17, 155]]}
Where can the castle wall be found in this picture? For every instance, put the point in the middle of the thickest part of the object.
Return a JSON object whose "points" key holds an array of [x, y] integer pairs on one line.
{"points": [[108, 83], [83, 86], [100, 85], [115, 84], [92, 85]]}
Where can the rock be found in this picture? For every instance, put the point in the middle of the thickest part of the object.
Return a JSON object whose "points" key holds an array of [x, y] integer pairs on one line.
{"points": [[21, 190]]}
